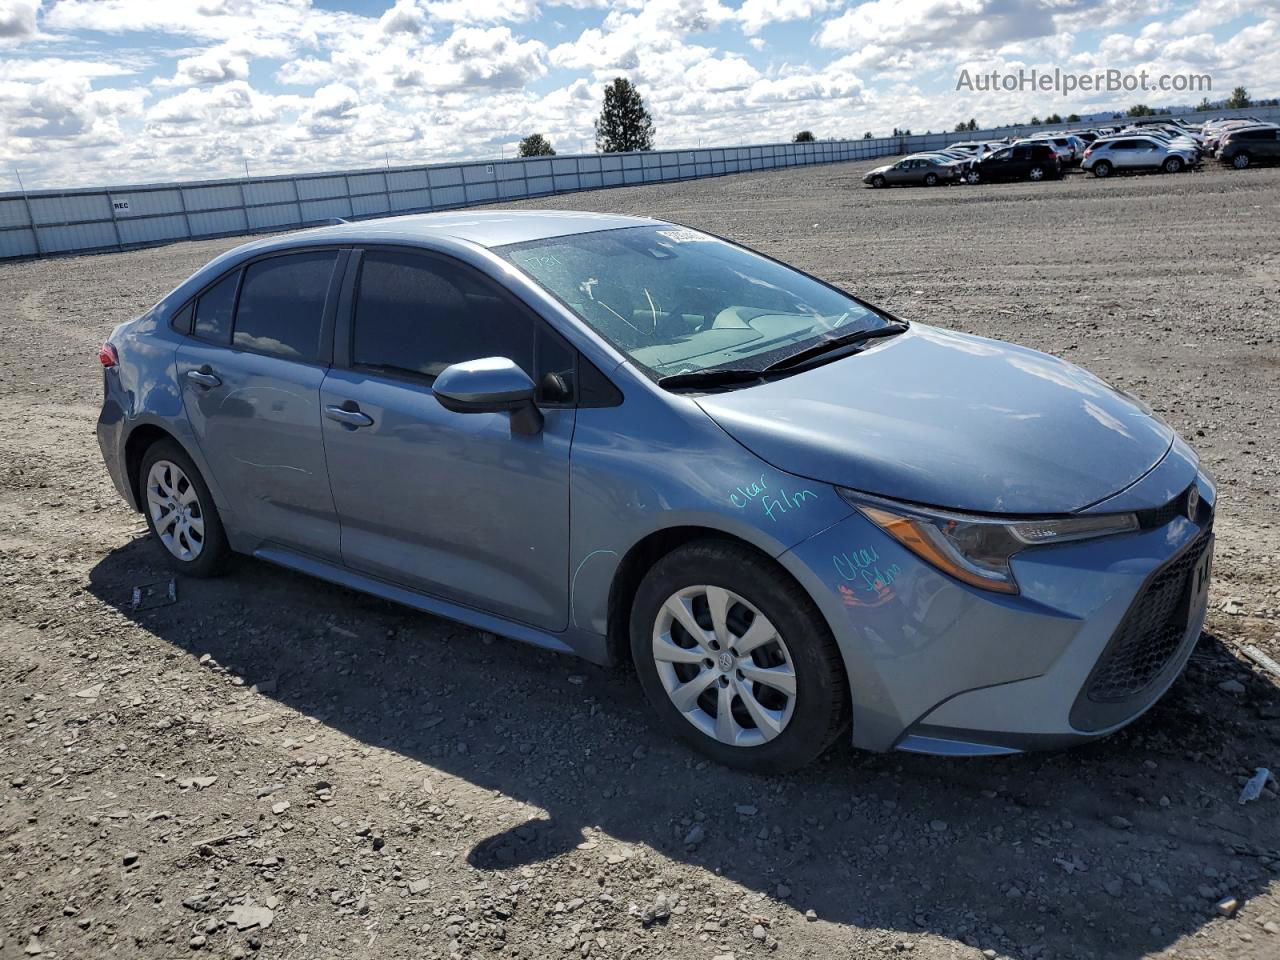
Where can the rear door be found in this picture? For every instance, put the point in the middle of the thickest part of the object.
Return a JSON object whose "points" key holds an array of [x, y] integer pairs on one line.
{"points": [[1019, 162], [458, 505], [250, 376]]}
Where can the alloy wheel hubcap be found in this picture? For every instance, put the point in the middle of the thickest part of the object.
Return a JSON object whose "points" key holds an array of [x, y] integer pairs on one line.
{"points": [[724, 666], [175, 510]]}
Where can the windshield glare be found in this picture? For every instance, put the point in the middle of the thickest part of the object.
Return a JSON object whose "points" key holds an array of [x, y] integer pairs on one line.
{"points": [[675, 300]]}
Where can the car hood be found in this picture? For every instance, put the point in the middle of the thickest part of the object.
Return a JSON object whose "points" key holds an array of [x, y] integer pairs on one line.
{"points": [[880, 169], [952, 420]]}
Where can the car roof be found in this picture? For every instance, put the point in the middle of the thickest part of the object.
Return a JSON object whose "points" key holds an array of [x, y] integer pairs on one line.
{"points": [[486, 228]]}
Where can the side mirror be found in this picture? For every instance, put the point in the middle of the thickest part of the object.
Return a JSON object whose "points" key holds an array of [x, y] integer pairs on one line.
{"points": [[490, 385]]}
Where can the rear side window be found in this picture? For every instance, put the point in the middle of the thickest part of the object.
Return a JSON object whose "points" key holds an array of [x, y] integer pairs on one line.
{"points": [[421, 314], [214, 309], [282, 304]]}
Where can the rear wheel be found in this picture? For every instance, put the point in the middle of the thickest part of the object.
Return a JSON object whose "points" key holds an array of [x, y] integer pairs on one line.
{"points": [[1173, 165], [1036, 173], [180, 511], [930, 179], [1102, 169], [736, 660], [1240, 160]]}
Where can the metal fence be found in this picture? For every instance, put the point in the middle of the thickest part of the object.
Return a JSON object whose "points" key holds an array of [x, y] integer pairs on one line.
{"points": [[50, 222]]}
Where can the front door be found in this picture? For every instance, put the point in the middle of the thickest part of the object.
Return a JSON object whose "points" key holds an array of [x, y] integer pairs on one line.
{"points": [[457, 505], [250, 377]]}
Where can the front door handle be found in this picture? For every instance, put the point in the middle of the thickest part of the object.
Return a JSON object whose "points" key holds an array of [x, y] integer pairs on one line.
{"points": [[204, 377], [348, 415]]}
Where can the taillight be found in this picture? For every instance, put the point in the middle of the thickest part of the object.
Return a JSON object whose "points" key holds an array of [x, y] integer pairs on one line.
{"points": [[1088, 150], [107, 355]]}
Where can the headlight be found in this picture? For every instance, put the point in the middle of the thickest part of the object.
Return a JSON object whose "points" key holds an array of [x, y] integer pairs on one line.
{"points": [[977, 550]]}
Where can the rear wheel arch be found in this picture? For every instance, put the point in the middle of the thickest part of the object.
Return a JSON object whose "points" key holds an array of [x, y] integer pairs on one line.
{"points": [[141, 439]]}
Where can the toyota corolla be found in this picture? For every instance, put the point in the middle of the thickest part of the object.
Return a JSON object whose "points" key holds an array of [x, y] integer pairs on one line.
{"points": [[794, 513]]}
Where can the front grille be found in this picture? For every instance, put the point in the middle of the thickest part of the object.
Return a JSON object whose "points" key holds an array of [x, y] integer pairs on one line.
{"points": [[1155, 517], [1151, 632]]}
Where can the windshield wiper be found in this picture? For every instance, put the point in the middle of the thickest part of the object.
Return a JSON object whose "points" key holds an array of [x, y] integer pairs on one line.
{"points": [[710, 378], [834, 343]]}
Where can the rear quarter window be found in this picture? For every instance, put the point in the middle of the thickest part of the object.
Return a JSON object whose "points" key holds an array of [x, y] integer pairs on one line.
{"points": [[214, 310]]}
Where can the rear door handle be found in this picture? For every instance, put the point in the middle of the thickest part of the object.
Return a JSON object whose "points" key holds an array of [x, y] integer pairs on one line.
{"points": [[204, 377], [349, 415]]}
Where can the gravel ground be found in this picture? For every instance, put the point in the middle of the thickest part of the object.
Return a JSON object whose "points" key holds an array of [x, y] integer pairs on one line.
{"points": [[275, 767]]}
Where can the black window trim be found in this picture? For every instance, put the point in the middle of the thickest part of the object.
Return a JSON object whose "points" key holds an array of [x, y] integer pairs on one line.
{"points": [[344, 330], [324, 355]]}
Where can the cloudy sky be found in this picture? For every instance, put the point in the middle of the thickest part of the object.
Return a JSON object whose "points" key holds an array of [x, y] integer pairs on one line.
{"points": [[110, 91]]}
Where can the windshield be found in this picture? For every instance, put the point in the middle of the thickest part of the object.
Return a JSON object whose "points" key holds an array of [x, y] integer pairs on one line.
{"points": [[675, 300]]}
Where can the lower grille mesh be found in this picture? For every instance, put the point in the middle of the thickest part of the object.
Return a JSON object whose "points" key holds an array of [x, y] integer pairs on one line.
{"points": [[1151, 632]]}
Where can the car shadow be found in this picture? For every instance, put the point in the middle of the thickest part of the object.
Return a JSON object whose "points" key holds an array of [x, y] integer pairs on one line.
{"points": [[1115, 849]]}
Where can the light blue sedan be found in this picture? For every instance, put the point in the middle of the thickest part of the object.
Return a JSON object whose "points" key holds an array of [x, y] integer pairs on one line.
{"points": [[794, 513]]}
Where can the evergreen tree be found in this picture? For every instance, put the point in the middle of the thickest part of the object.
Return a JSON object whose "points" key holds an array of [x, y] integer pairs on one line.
{"points": [[624, 123], [536, 145], [1239, 99]]}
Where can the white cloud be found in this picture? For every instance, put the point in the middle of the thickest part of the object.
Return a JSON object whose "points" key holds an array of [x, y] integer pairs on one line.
{"points": [[18, 19], [211, 67], [755, 15]]}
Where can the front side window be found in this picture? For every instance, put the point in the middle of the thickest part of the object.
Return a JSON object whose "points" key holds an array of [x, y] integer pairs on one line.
{"points": [[420, 314], [214, 310], [282, 304], [679, 301]]}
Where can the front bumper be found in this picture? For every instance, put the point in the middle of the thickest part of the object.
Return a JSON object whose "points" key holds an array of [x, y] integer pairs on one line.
{"points": [[939, 667]]}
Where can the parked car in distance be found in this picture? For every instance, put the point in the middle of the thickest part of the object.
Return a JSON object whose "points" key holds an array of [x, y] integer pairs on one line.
{"points": [[1068, 148], [1124, 153], [1248, 146], [928, 171], [1024, 160], [630, 440]]}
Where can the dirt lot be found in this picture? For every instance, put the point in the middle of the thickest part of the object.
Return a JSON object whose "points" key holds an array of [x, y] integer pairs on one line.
{"points": [[273, 767]]}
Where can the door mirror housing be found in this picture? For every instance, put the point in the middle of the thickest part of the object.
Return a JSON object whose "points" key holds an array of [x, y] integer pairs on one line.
{"points": [[490, 385]]}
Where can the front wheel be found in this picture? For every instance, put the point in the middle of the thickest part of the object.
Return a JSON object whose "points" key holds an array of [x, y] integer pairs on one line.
{"points": [[735, 658], [1102, 169], [180, 511], [878, 181], [1173, 165], [972, 177], [1036, 173], [1240, 161]]}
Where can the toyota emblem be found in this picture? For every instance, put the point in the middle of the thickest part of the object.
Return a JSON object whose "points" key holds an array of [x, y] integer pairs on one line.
{"points": [[1193, 502]]}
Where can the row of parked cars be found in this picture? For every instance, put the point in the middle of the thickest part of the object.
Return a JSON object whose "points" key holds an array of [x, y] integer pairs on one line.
{"points": [[1168, 145]]}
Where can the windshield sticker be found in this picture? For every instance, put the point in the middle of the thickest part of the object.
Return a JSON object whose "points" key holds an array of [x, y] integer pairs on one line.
{"points": [[685, 236]]}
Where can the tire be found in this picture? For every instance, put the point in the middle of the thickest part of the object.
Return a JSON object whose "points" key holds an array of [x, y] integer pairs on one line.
{"points": [[195, 544], [930, 179], [1102, 169], [1240, 161], [1036, 173], [1172, 165], [972, 177], [752, 594], [878, 181]]}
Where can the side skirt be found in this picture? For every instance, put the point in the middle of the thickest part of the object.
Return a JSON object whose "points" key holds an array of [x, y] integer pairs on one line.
{"points": [[346, 577]]}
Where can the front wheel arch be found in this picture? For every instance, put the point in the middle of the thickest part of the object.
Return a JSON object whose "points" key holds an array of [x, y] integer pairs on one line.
{"points": [[641, 558]]}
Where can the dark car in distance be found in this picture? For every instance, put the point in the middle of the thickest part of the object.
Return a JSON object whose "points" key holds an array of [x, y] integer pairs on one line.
{"points": [[1250, 146], [1022, 161]]}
